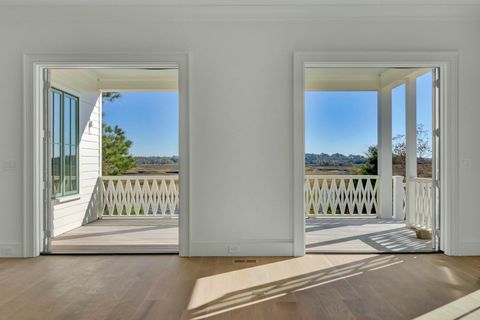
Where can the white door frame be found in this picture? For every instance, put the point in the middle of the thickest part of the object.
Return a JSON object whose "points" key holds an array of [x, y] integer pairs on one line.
{"points": [[34, 64], [448, 64]]}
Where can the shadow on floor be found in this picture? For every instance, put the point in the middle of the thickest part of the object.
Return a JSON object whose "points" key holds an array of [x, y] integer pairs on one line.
{"points": [[113, 232], [214, 297], [142, 235], [362, 235]]}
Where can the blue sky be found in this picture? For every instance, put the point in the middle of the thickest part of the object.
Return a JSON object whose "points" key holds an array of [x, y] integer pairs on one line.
{"points": [[335, 122], [150, 120], [346, 122]]}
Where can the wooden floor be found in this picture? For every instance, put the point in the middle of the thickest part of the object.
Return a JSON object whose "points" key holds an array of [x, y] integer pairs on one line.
{"points": [[367, 235], [319, 286], [120, 236]]}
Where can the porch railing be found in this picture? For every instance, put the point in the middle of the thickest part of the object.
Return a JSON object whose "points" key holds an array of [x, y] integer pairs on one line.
{"points": [[342, 195], [324, 196], [423, 203], [138, 196]]}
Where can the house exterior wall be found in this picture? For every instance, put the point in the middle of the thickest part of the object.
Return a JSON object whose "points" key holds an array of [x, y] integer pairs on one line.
{"points": [[73, 211], [241, 99]]}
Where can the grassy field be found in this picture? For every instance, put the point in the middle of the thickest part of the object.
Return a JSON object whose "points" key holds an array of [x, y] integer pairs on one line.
{"points": [[331, 170], [154, 169], [424, 170]]}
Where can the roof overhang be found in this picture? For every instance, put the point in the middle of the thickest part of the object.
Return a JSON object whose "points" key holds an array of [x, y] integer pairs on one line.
{"points": [[356, 79], [134, 79]]}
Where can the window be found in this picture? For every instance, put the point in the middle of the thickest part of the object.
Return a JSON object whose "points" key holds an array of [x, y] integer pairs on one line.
{"points": [[64, 131]]}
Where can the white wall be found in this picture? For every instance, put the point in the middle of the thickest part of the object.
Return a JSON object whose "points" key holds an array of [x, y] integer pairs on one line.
{"points": [[73, 211], [241, 99]]}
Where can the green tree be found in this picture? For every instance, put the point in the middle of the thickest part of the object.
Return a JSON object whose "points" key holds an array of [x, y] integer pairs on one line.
{"points": [[371, 166], [116, 158], [111, 96]]}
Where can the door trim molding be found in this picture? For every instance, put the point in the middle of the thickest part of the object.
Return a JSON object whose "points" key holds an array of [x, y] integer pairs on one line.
{"points": [[33, 65], [447, 61]]}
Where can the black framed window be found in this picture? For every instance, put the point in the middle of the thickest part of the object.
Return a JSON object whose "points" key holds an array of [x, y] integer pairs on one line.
{"points": [[64, 132]]}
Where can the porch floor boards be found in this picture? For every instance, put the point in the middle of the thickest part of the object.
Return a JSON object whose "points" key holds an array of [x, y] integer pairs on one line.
{"points": [[161, 236], [362, 235], [120, 236]]}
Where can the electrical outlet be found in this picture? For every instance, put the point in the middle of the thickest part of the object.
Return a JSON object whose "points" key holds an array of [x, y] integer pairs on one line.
{"points": [[233, 248]]}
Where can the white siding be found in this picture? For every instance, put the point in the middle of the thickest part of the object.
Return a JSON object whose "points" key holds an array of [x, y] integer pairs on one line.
{"points": [[74, 211]]}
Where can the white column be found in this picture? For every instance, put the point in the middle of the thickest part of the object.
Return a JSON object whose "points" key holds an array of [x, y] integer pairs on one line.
{"points": [[411, 146], [398, 197], [385, 152]]}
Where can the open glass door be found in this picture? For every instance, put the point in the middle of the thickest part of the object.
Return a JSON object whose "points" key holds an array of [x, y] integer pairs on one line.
{"points": [[47, 163], [436, 159]]}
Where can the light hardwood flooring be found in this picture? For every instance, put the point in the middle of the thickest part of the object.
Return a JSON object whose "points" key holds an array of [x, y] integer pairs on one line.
{"points": [[120, 236], [364, 235], [465, 308], [336, 286]]}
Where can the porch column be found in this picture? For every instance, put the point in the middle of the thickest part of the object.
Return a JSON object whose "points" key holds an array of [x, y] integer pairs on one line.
{"points": [[385, 153], [411, 146]]}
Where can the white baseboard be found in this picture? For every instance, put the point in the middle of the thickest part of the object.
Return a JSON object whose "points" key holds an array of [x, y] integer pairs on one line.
{"points": [[469, 248], [264, 247], [10, 249]]}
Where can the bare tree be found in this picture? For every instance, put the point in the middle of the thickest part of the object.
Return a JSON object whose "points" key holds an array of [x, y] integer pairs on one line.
{"points": [[423, 142], [424, 148]]}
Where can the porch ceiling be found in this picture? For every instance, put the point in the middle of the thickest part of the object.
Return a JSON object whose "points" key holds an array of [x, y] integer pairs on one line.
{"points": [[354, 79], [127, 79]]}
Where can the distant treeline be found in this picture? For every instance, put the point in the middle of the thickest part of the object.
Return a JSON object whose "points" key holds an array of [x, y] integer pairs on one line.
{"points": [[336, 159], [156, 160]]}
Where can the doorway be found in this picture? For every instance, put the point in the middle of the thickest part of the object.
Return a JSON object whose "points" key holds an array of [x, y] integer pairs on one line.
{"points": [[444, 93], [368, 175], [114, 154], [37, 232]]}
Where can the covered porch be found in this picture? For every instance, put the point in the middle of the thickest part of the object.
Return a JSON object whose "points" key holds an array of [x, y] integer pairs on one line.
{"points": [[139, 214], [120, 236], [386, 207], [344, 213], [134, 214], [360, 235]]}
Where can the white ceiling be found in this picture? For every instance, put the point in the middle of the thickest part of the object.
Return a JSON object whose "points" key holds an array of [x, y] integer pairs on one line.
{"points": [[354, 79], [343, 73], [125, 79], [238, 2], [134, 74]]}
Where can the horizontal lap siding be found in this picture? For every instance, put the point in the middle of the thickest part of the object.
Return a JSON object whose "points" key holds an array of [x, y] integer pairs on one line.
{"points": [[80, 209]]}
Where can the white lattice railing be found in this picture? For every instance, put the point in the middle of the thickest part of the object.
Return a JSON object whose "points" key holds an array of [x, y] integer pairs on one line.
{"points": [[423, 203], [138, 196], [342, 195]]}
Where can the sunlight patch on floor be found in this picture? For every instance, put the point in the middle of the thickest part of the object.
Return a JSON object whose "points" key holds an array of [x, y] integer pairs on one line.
{"points": [[466, 308], [236, 289]]}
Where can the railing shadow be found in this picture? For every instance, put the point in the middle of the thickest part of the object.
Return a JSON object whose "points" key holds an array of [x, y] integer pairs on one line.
{"points": [[113, 232], [275, 289], [316, 224], [392, 240]]}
